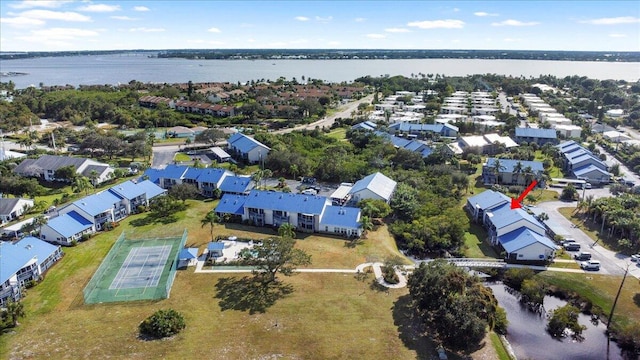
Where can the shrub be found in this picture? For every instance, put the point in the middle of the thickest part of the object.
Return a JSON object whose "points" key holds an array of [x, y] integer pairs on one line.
{"points": [[163, 323], [389, 274], [515, 277]]}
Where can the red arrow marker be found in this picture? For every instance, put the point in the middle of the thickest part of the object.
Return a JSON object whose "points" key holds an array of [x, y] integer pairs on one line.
{"points": [[516, 203]]}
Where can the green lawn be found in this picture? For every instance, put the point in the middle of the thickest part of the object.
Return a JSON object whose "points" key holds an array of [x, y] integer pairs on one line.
{"points": [[339, 133], [182, 157], [601, 290], [475, 245], [326, 316], [497, 344], [591, 229]]}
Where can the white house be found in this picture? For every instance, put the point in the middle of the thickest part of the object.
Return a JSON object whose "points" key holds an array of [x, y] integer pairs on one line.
{"points": [[375, 186], [46, 165], [13, 208]]}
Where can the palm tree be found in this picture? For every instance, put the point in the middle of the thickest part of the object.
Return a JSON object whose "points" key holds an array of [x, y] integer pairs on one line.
{"points": [[287, 230], [293, 169], [256, 177], [517, 169], [497, 168], [38, 222], [210, 219], [528, 174], [366, 224], [93, 175], [80, 184]]}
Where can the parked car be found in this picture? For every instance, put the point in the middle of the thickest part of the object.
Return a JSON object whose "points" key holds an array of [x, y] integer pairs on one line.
{"points": [[590, 265], [635, 257], [572, 247], [582, 256], [567, 241]]}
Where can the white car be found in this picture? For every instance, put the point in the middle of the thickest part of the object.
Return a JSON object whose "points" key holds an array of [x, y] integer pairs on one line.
{"points": [[635, 257], [590, 265]]}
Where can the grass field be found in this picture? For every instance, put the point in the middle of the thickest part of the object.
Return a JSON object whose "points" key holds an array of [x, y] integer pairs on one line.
{"points": [[497, 344], [476, 247], [589, 228], [182, 157], [601, 290], [339, 133]]}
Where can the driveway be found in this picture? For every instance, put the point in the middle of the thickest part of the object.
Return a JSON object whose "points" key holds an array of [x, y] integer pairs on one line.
{"points": [[163, 155], [611, 262]]}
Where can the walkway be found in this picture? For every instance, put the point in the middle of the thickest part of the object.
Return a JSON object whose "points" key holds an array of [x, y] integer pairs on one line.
{"points": [[401, 271]]}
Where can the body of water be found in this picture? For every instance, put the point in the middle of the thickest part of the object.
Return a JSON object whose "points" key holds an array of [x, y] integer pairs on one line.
{"points": [[122, 68], [529, 338]]}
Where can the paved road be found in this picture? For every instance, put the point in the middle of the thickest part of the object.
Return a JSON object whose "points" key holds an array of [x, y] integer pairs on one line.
{"points": [[625, 172], [611, 262], [163, 156]]}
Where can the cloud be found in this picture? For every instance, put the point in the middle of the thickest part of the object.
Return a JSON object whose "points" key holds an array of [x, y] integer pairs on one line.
{"points": [[397, 30], [438, 24], [145, 29], [55, 15], [376, 36], [214, 30], [483, 14], [124, 18], [324, 20], [301, 18], [456, 9], [141, 8], [99, 8], [613, 21], [617, 35], [28, 4], [21, 22], [512, 22], [359, 19], [57, 34]]}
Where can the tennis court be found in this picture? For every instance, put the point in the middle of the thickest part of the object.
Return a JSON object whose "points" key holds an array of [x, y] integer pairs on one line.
{"points": [[136, 269]]}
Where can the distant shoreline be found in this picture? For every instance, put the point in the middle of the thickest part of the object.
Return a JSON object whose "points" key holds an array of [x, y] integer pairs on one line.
{"points": [[348, 54]]}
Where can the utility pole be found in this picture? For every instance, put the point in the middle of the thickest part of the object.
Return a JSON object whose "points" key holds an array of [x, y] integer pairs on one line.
{"points": [[626, 271]]}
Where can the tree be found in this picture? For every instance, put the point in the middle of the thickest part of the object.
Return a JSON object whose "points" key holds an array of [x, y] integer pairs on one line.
{"points": [[276, 255], [14, 311], [93, 176], [532, 293], [210, 219], [80, 184], [497, 168], [65, 173], [165, 207], [184, 191], [287, 230], [374, 208], [163, 323], [404, 202], [210, 136], [453, 303], [38, 222], [569, 193], [517, 169], [563, 318], [366, 224]]}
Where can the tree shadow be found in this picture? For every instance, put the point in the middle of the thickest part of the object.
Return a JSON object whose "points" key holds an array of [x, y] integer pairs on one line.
{"points": [[151, 219], [249, 294], [411, 329], [636, 299]]}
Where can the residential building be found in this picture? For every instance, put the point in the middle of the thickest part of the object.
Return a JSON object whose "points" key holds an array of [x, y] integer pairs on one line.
{"points": [[153, 101], [538, 136], [485, 201], [13, 208], [583, 164], [218, 154], [375, 186], [46, 165], [8, 154], [66, 228], [526, 245], [512, 172], [307, 213], [99, 208], [247, 149], [21, 262], [488, 143], [234, 184], [136, 194], [365, 125], [444, 130]]}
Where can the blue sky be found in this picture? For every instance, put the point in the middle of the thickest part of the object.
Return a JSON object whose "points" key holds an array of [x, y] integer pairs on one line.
{"points": [[531, 25]]}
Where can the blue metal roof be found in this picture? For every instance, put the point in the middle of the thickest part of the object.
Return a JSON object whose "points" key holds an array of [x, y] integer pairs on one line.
{"points": [[152, 190], [297, 203], [346, 217], [414, 145], [14, 257], [128, 190], [566, 144], [235, 184], [69, 224], [188, 254], [536, 133], [586, 157], [37, 247], [97, 203], [510, 164], [231, 204], [587, 169], [436, 128], [173, 171], [244, 143], [488, 199], [367, 125], [215, 246], [506, 216], [152, 174], [523, 237], [209, 175]]}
